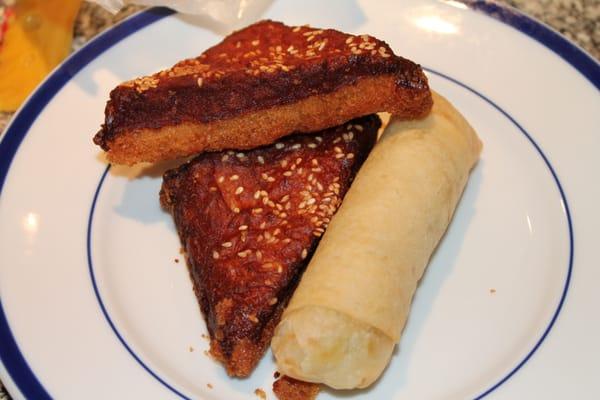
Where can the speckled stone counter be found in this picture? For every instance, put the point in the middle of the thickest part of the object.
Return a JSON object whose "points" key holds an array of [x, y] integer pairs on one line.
{"points": [[579, 20]]}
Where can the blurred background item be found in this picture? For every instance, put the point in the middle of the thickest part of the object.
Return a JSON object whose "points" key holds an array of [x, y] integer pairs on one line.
{"points": [[35, 36]]}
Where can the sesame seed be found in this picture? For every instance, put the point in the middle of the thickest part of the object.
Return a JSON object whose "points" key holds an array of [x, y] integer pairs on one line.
{"points": [[359, 128], [255, 42], [234, 177], [314, 161], [336, 140], [225, 158], [285, 198], [286, 240], [221, 179], [212, 189], [302, 205], [279, 268], [304, 253], [385, 55], [337, 149], [263, 225], [283, 215], [227, 244], [238, 45], [279, 146], [258, 255], [296, 146], [296, 29], [271, 179], [236, 210], [349, 156], [257, 210], [242, 254], [239, 190], [273, 301], [284, 163], [256, 194], [349, 40], [319, 139], [261, 159], [253, 318], [243, 227], [264, 176], [318, 169], [311, 201], [276, 232], [339, 155], [287, 173], [215, 254], [240, 155], [199, 81], [312, 145]]}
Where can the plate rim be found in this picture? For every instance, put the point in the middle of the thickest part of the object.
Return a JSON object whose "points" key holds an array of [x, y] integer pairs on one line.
{"points": [[17, 369]]}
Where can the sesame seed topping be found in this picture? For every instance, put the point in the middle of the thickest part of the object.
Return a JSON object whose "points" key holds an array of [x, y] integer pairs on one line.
{"points": [[234, 177], [261, 159], [243, 227], [239, 190], [257, 210], [284, 163], [255, 42], [349, 156], [296, 146], [339, 155], [225, 158], [312, 145], [304, 253], [287, 173], [215, 254], [199, 81], [285, 198], [240, 155], [227, 244], [273, 301], [221, 179], [279, 146], [349, 40], [236, 210], [253, 318], [256, 194]]}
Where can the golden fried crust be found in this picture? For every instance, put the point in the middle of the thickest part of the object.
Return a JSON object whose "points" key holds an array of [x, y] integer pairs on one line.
{"points": [[282, 78], [249, 223], [286, 388]]}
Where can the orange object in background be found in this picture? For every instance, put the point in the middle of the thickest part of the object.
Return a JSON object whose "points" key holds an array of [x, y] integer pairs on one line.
{"points": [[37, 37]]}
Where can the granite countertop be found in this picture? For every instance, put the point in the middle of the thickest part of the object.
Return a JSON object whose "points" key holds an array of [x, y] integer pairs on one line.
{"points": [[579, 20]]}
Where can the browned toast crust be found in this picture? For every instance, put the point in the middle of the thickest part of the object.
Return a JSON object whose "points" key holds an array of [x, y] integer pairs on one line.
{"points": [[267, 73], [249, 223]]}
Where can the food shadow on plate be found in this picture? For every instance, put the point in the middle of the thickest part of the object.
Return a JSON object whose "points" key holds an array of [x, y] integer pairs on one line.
{"points": [[140, 199]]}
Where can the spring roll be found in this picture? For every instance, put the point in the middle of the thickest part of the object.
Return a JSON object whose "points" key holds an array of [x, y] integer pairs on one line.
{"points": [[348, 312]]}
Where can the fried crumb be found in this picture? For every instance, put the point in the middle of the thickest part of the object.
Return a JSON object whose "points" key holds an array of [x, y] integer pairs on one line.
{"points": [[176, 260], [191, 349], [492, 290], [208, 385], [204, 336], [261, 393], [276, 375], [288, 388]]}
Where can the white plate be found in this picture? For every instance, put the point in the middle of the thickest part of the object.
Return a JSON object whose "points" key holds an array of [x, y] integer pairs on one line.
{"points": [[93, 304]]}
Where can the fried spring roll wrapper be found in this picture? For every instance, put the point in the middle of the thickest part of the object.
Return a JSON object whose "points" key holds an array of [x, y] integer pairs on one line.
{"points": [[352, 303]]}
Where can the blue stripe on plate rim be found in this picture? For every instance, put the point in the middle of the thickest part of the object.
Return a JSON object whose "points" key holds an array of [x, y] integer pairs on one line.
{"points": [[10, 355]]}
